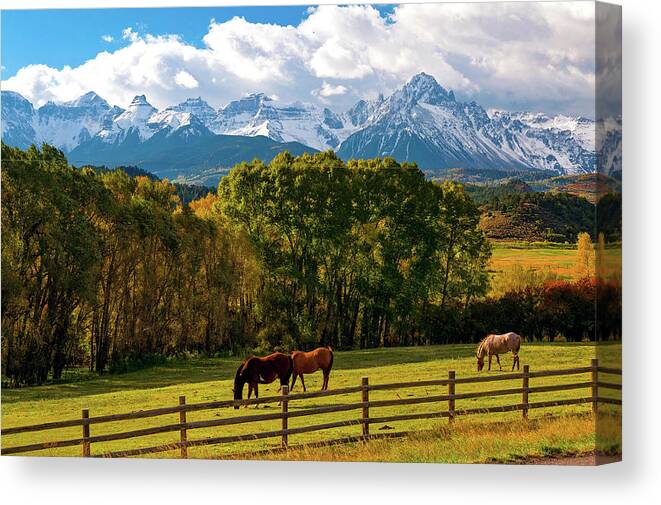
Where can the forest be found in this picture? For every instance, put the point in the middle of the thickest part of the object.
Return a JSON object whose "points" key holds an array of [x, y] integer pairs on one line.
{"points": [[106, 270]]}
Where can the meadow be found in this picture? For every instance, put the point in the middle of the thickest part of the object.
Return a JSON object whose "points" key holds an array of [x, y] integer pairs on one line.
{"points": [[544, 259], [569, 429]]}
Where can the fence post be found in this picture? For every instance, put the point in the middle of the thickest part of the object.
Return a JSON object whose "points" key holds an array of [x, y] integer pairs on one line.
{"points": [[365, 398], [524, 395], [183, 437], [595, 380], [451, 396], [285, 417], [86, 433]]}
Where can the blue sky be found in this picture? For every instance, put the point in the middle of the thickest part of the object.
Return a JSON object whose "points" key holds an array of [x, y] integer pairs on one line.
{"points": [[511, 55], [58, 44], [72, 36]]}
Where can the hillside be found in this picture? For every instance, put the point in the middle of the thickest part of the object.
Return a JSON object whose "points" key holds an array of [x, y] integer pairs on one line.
{"points": [[536, 217], [554, 209], [174, 155], [589, 186]]}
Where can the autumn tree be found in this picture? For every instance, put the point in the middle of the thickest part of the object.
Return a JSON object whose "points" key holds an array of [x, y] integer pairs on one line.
{"points": [[585, 256]]}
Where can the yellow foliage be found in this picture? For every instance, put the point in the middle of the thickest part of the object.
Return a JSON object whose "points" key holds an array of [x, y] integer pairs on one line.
{"points": [[585, 256]]}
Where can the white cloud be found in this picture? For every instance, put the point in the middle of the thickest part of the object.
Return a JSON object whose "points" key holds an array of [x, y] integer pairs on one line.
{"points": [[327, 90], [129, 34], [185, 80], [535, 56], [107, 38]]}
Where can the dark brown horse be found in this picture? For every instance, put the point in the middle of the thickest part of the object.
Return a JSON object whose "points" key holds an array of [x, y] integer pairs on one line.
{"points": [[310, 362], [264, 370]]}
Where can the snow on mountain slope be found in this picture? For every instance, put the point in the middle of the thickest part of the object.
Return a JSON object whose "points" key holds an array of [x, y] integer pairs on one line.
{"points": [[71, 123], [582, 129], [256, 114], [421, 122], [63, 125], [17, 120], [198, 107], [134, 120]]}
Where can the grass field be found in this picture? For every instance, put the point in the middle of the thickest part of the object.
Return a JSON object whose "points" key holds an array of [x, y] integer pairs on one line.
{"points": [[211, 379], [557, 258], [512, 441]]}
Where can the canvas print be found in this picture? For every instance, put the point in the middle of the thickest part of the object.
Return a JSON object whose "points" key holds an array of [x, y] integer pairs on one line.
{"points": [[384, 233]]}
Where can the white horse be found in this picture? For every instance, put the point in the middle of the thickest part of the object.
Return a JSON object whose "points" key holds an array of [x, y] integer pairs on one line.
{"points": [[496, 344]]}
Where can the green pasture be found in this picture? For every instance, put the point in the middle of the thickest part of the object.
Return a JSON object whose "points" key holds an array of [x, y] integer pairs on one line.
{"points": [[202, 380], [559, 259]]}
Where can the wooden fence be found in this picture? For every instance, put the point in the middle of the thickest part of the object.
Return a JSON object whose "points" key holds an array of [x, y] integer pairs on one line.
{"points": [[366, 406]]}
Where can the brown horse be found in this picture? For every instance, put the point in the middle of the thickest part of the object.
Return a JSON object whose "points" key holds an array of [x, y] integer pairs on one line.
{"points": [[493, 345], [310, 362], [264, 370]]}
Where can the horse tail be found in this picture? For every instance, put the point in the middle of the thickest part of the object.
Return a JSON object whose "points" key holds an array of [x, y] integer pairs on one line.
{"points": [[330, 365], [329, 348]]}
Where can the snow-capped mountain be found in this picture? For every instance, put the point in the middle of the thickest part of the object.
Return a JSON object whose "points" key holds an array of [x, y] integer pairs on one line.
{"points": [[256, 114], [424, 122], [199, 108], [17, 120], [63, 125], [420, 122], [581, 128], [134, 120]]}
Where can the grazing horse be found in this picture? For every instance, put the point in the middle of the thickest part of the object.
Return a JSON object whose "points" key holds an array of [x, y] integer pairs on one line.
{"points": [[310, 362], [264, 370], [496, 344]]}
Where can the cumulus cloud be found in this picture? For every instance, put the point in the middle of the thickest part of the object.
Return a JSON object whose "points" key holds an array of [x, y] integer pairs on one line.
{"points": [[129, 34], [327, 89], [534, 56], [107, 38], [185, 80]]}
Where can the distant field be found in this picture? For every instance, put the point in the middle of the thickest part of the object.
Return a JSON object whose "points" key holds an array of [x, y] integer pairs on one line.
{"points": [[558, 258], [211, 379]]}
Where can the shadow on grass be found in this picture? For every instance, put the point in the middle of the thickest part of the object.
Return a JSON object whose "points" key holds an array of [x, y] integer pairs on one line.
{"points": [[199, 370]]}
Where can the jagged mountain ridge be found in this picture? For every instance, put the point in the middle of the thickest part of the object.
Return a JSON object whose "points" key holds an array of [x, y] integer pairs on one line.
{"points": [[421, 122], [425, 123]]}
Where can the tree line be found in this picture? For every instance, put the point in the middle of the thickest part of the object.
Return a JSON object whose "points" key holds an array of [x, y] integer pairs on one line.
{"points": [[101, 269]]}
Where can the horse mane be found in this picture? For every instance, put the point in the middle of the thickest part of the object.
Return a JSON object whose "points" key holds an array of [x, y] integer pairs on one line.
{"points": [[244, 365], [481, 346], [239, 371]]}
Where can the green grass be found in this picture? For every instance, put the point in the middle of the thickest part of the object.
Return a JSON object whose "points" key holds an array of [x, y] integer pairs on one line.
{"points": [[211, 379], [541, 256], [513, 441]]}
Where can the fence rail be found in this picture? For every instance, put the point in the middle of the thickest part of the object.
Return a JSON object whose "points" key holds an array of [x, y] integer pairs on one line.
{"points": [[365, 405]]}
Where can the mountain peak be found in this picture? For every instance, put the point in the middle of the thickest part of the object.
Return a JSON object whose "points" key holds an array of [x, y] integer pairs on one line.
{"points": [[422, 78], [140, 107], [198, 107], [194, 105], [193, 102], [424, 87], [258, 96], [140, 100], [248, 103], [89, 99], [13, 94]]}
